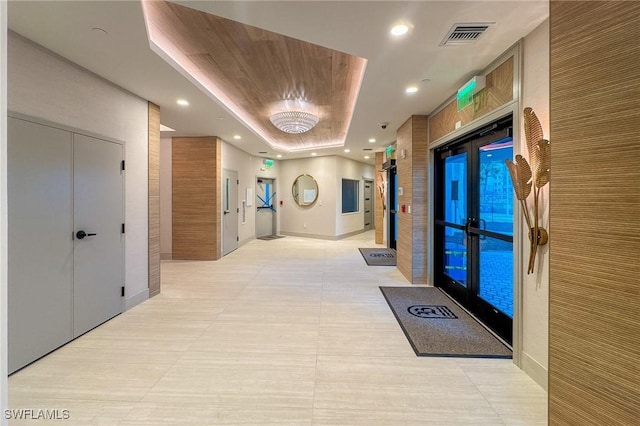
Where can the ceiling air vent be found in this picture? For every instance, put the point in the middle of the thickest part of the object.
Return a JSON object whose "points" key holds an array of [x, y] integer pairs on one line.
{"points": [[461, 34]]}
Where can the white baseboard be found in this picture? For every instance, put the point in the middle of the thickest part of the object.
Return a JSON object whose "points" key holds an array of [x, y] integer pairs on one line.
{"points": [[323, 237], [136, 299], [535, 370]]}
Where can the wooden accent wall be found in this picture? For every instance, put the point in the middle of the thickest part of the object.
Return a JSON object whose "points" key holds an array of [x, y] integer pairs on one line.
{"points": [[154, 199], [196, 198], [412, 177], [379, 203], [497, 92], [594, 311]]}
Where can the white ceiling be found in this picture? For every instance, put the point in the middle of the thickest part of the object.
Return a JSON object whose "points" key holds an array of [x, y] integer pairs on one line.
{"points": [[357, 27]]}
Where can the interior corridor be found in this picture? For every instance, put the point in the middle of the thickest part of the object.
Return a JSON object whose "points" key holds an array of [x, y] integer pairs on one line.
{"points": [[288, 331]]}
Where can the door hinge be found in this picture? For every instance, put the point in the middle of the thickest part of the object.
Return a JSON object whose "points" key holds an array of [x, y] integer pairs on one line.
{"points": [[122, 291], [122, 230], [237, 238], [122, 165], [238, 181], [238, 210]]}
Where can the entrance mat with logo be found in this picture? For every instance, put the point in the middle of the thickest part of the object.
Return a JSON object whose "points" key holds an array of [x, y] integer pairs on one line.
{"points": [[436, 326], [379, 256]]}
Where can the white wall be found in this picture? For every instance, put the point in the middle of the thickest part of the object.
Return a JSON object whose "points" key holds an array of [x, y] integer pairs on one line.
{"points": [[319, 219], [165, 198], [249, 168], [324, 219], [43, 85], [4, 388], [348, 169], [535, 94]]}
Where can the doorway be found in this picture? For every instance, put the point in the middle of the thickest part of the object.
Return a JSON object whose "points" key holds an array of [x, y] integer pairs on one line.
{"points": [[66, 236], [392, 190], [265, 207], [230, 210], [368, 205], [474, 225]]}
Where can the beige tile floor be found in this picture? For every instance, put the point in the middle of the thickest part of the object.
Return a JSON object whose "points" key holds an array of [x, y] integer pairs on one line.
{"points": [[290, 331]]}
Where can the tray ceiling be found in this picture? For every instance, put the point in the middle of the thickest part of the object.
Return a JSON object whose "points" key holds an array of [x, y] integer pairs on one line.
{"points": [[255, 73]]}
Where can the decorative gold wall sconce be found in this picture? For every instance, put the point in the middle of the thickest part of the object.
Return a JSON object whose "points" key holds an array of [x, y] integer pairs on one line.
{"points": [[381, 190], [525, 178]]}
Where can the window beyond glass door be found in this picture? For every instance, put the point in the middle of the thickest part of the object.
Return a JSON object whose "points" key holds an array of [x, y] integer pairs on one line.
{"points": [[455, 211]]}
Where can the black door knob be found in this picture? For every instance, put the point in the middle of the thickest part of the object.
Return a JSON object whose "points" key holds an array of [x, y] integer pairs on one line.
{"points": [[81, 234]]}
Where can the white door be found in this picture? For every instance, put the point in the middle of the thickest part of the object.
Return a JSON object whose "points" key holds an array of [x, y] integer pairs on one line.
{"points": [[98, 213], [265, 207], [229, 211], [40, 245], [368, 205]]}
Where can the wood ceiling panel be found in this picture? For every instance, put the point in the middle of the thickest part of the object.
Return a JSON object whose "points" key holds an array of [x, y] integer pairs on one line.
{"points": [[256, 73]]}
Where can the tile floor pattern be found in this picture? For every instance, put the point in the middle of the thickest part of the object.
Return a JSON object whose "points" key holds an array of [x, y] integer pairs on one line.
{"points": [[291, 331]]}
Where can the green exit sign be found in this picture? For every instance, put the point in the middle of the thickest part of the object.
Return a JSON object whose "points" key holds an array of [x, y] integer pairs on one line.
{"points": [[466, 92]]}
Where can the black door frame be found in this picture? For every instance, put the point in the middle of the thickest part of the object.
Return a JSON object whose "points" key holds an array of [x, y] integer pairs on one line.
{"points": [[391, 181], [468, 295]]}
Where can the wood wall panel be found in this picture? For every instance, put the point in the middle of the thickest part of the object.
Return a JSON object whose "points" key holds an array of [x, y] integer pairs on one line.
{"points": [[154, 199], [497, 92], [379, 201], [594, 314], [253, 69], [196, 178], [412, 175]]}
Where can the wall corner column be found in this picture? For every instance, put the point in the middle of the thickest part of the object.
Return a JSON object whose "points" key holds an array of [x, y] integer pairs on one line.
{"points": [[412, 167], [154, 199]]}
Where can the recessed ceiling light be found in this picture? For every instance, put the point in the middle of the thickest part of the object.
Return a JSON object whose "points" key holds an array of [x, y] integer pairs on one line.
{"points": [[313, 154], [220, 118], [182, 102], [372, 140], [366, 157], [411, 89], [237, 137], [400, 29], [279, 155], [347, 150]]}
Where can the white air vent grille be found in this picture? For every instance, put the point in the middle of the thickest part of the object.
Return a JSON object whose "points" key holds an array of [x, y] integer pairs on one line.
{"points": [[461, 34]]}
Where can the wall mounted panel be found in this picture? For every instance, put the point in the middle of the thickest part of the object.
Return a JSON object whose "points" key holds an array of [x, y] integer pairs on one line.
{"points": [[594, 312]]}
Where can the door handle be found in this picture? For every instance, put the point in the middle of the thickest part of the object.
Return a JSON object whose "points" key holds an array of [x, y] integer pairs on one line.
{"points": [[81, 234]]}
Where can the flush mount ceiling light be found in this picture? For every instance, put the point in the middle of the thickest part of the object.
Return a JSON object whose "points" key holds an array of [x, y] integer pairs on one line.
{"points": [[182, 102], [411, 89], [400, 29], [294, 122]]}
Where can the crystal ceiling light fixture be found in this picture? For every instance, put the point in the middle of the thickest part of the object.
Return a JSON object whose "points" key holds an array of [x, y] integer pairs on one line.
{"points": [[294, 122]]}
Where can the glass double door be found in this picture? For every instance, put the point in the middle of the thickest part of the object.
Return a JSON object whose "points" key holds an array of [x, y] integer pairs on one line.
{"points": [[474, 226]]}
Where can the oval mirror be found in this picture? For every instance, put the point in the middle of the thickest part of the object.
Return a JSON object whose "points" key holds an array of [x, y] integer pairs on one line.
{"points": [[305, 190]]}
